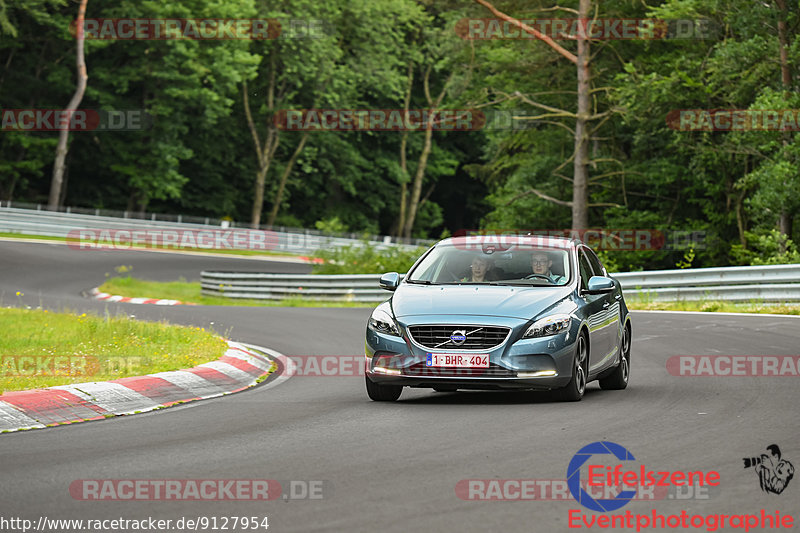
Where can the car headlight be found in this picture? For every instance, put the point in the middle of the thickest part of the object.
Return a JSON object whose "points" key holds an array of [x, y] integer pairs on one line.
{"points": [[382, 320], [550, 325]]}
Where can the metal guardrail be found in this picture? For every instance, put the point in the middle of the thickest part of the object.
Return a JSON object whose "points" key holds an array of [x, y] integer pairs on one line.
{"points": [[771, 283], [767, 283], [288, 240], [353, 287], [697, 277]]}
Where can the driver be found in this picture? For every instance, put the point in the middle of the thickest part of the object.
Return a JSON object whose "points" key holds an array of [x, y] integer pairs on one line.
{"points": [[541, 264]]}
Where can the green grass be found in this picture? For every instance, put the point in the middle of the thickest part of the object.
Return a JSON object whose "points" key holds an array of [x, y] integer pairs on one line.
{"points": [[26, 236], [189, 292], [267, 253], [715, 307], [68, 348]]}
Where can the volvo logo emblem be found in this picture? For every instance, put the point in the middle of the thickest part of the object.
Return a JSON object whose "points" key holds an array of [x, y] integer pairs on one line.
{"points": [[458, 337]]}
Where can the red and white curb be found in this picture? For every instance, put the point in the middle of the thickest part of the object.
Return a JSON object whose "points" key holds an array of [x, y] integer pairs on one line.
{"points": [[97, 295], [241, 367]]}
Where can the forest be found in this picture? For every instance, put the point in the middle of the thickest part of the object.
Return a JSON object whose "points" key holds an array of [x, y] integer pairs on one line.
{"points": [[674, 116]]}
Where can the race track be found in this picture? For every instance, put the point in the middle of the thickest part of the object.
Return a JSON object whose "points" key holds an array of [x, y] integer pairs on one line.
{"points": [[394, 467]]}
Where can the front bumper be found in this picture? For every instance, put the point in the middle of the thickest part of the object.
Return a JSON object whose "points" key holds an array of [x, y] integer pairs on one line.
{"points": [[541, 363]]}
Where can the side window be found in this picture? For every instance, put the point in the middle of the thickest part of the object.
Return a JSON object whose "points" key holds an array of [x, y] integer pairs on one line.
{"points": [[586, 270], [597, 266]]}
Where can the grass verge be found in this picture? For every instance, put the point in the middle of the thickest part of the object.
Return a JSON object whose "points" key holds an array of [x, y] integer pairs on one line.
{"points": [[716, 307], [189, 292], [42, 349]]}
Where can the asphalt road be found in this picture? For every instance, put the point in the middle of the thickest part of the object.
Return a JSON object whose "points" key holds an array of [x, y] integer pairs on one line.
{"points": [[394, 467]]}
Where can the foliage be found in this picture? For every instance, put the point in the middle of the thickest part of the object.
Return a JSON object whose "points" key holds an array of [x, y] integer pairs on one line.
{"points": [[366, 258], [197, 156], [772, 248]]}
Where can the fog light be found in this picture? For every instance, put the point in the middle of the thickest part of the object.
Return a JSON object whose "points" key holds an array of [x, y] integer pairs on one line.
{"points": [[537, 374], [389, 371], [387, 364]]}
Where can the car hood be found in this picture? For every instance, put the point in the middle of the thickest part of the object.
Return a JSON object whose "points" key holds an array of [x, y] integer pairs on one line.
{"points": [[489, 300]]}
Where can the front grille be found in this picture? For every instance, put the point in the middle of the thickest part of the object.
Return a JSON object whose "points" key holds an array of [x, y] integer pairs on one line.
{"points": [[478, 337], [494, 371]]}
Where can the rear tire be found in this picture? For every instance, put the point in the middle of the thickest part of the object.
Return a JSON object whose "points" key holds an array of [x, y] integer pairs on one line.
{"points": [[573, 392], [382, 393], [618, 379]]}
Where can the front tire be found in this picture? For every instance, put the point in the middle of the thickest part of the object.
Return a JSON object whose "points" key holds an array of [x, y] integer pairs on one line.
{"points": [[618, 379], [573, 392], [382, 393]]}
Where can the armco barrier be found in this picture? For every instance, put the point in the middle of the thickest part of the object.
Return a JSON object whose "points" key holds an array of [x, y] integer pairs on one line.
{"points": [[772, 283], [354, 287], [290, 240]]}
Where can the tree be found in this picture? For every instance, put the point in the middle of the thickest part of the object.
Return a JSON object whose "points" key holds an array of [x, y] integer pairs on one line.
{"points": [[355, 61], [63, 135], [580, 156]]}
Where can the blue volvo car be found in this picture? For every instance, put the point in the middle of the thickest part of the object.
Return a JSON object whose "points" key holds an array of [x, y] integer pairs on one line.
{"points": [[500, 312]]}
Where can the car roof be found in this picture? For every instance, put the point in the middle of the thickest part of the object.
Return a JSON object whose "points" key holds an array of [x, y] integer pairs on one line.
{"points": [[492, 239]]}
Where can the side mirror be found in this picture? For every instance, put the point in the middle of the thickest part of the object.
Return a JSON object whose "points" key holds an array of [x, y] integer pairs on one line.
{"points": [[390, 281], [600, 285]]}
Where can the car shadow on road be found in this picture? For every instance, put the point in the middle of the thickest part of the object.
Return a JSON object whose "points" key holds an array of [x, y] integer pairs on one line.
{"points": [[467, 397]]}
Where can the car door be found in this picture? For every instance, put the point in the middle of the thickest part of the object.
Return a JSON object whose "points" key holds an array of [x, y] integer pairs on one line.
{"points": [[612, 303], [598, 317]]}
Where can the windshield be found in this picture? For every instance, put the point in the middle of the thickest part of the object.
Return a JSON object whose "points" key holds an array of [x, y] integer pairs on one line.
{"points": [[521, 265]]}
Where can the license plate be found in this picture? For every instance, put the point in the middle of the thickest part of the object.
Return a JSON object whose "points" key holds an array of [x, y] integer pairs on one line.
{"points": [[458, 360]]}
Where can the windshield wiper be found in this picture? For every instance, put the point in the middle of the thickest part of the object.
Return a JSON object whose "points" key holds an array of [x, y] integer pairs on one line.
{"points": [[419, 281]]}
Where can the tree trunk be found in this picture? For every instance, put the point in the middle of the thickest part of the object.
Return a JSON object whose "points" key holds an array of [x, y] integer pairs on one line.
{"points": [[422, 163], [783, 39], [63, 135], [261, 177], [403, 160], [785, 219], [418, 177], [785, 225], [263, 154], [580, 184], [282, 185], [740, 224], [65, 182]]}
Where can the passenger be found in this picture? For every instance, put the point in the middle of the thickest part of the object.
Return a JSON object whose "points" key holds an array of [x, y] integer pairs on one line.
{"points": [[481, 270]]}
